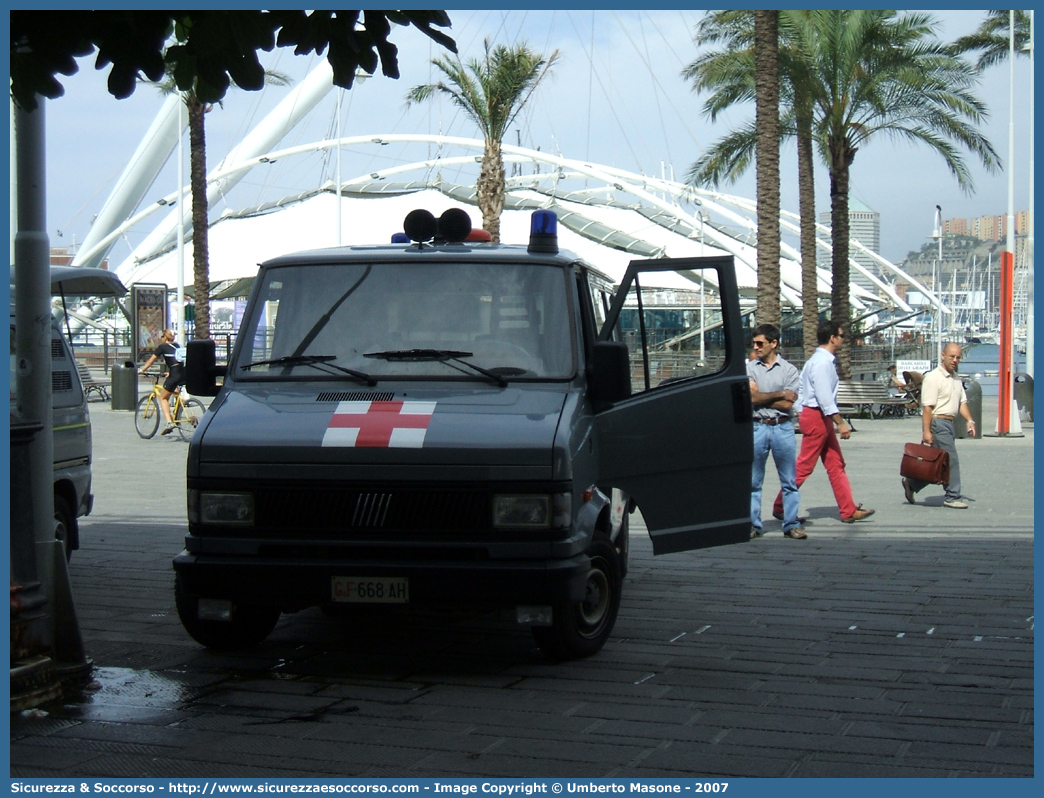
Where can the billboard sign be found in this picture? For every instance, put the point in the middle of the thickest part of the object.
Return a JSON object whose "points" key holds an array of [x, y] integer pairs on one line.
{"points": [[149, 307]]}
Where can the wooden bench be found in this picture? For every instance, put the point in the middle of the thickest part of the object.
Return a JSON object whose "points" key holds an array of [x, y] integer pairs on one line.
{"points": [[858, 397], [91, 385]]}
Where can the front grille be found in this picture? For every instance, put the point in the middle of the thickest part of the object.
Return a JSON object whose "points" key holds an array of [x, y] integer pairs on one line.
{"points": [[341, 512], [332, 552], [355, 396]]}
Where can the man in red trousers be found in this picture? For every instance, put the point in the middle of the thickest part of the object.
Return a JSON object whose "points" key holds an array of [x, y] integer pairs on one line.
{"points": [[819, 417]]}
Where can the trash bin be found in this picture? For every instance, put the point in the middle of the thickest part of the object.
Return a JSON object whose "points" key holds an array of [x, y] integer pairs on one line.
{"points": [[1024, 393], [125, 386], [974, 393]]}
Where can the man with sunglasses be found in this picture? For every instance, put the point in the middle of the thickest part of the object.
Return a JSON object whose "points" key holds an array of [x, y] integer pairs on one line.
{"points": [[773, 391], [819, 417]]}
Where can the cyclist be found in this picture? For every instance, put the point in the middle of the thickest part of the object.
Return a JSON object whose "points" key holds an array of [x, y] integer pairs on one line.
{"points": [[174, 357]]}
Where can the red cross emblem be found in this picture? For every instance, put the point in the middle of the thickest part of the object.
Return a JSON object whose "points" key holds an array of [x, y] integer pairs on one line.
{"points": [[384, 425]]}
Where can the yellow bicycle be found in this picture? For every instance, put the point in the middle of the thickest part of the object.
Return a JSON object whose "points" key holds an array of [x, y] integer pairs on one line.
{"points": [[185, 413]]}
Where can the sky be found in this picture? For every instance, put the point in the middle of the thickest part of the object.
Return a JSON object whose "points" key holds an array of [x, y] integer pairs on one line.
{"points": [[615, 97]]}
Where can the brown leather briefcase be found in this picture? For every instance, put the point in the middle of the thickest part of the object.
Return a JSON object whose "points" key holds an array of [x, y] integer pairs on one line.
{"points": [[925, 463]]}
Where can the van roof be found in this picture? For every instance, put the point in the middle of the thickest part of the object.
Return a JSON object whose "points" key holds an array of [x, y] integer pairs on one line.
{"points": [[438, 253], [81, 281]]}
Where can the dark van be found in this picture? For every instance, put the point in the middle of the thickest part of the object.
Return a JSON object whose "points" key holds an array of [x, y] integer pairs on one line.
{"points": [[454, 421]]}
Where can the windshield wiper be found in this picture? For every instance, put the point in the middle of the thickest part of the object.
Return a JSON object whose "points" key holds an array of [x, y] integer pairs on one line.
{"points": [[417, 355], [315, 361]]}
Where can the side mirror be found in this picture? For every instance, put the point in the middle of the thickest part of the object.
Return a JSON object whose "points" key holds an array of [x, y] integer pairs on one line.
{"points": [[201, 369], [610, 373]]}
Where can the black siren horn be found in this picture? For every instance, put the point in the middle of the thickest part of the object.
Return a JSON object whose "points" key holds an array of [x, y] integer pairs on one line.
{"points": [[420, 225], [454, 225]]}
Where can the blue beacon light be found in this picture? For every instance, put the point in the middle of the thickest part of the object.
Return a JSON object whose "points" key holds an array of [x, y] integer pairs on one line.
{"points": [[543, 232], [400, 238]]}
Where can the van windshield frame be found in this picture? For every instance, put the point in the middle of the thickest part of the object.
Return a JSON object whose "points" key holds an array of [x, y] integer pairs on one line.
{"points": [[510, 321]]}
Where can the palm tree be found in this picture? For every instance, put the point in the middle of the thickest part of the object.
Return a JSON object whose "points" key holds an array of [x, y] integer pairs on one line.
{"points": [[729, 74], [881, 73], [197, 111], [491, 91], [200, 214], [864, 73], [766, 103], [992, 39]]}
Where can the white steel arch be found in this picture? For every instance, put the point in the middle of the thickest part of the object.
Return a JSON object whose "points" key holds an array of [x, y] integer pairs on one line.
{"points": [[645, 189]]}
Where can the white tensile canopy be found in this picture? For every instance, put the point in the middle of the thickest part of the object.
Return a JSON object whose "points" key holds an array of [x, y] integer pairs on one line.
{"points": [[239, 242]]}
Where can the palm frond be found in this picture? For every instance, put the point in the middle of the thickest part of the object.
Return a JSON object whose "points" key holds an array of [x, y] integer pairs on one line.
{"points": [[992, 39]]}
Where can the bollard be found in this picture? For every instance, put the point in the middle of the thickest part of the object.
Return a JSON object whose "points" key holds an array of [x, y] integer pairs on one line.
{"points": [[125, 386], [974, 393], [1024, 393]]}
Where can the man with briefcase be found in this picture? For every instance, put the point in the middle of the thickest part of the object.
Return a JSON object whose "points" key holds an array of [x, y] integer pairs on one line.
{"points": [[942, 400]]}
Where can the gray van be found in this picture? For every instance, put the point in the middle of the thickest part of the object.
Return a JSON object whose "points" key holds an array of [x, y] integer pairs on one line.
{"points": [[71, 420], [454, 421]]}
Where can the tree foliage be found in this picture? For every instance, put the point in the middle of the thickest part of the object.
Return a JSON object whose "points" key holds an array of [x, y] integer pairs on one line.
{"points": [[197, 111], [992, 39], [212, 48], [727, 73], [868, 75], [491, 91]]}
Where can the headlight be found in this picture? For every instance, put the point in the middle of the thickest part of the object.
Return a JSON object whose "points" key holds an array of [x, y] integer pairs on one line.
{"points": [[221, 508], [532, 511]]}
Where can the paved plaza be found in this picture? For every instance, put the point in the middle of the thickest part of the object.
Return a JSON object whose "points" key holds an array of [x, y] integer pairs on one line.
{"points": [[900, 646]]}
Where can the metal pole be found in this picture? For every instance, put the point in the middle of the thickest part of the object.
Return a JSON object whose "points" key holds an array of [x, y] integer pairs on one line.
{"points": [[33, 318], [13, 199], [1005, 372], [1030, 327], [180, 204], [703, 331], [973, 311], [989, 289], [892, 361], [936, 282], [939, 337], [33, 349], [1009, 240], [337, 205]]}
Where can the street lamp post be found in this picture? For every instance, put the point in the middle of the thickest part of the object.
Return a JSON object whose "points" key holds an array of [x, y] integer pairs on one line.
{"points": [[937, 234]]}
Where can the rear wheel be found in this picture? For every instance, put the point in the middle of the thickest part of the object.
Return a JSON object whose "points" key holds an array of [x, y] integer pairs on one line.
{"points": [[580, 628], [192, 411], [147, 416], [248, 625]]}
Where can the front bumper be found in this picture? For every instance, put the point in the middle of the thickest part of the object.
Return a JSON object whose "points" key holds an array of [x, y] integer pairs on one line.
{"points": [[296, 584]]}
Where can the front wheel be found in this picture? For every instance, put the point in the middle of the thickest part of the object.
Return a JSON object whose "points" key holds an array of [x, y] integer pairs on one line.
{"points": [[581, 628], [147, 416], [63, 524], [247, 626]]}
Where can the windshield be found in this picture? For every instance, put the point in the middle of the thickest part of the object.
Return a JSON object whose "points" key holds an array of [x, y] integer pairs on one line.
{"points": [[475, 321]]}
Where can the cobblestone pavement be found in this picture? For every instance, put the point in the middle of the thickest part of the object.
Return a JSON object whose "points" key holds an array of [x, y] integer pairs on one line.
{"points": [[899, 646]]}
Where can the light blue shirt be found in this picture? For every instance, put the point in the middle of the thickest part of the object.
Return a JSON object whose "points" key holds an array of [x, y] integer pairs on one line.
{"points": [[782, 375], [819, 382]]}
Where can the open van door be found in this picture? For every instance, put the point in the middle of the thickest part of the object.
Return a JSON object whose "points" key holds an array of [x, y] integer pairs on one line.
{"points": [[682, 444], [81, 281], [85, 281]]}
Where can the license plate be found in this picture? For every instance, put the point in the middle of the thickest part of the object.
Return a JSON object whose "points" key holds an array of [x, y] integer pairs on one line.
{"points": [[371, 589]]}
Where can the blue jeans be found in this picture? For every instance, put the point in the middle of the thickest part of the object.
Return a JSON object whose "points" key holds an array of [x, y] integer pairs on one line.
{"points": [[780, 440]]}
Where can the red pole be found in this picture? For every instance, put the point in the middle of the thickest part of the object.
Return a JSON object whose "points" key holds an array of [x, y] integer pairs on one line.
{"points": [[1004, 373]]}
